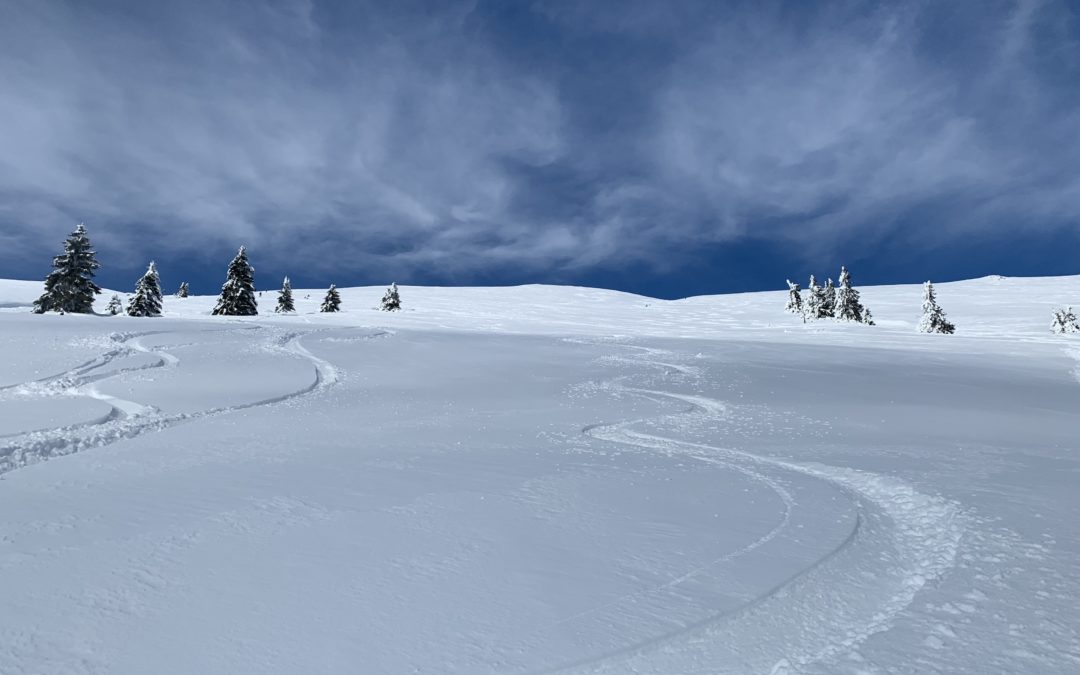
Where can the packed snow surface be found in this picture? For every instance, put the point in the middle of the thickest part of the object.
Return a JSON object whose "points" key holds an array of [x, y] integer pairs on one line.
{"points": [[542, 480]]}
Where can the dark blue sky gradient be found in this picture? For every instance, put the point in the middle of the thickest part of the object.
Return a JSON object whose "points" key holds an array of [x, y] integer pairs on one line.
{"points": [[668, 149]]}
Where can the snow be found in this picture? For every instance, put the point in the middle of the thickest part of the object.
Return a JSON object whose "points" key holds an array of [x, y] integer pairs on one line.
{"points": [[542, 479]]}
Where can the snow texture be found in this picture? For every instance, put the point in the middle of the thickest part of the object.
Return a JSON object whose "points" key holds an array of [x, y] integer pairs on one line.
{"points": [[538, 480]]}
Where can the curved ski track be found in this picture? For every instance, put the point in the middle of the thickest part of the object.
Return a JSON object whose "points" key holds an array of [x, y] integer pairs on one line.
{"points": [[902, 540], [129, 419]]}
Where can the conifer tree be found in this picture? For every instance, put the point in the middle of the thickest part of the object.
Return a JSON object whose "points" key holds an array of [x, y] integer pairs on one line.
{"points": [[827, 309], [147, 298], [238, 292], [391, 300], [332, 301], [284, 299], [115, 305], [182, 292], [933, 318], [70, 286], [815, 298], [1065, 321], [848, 307], [794, 302]]}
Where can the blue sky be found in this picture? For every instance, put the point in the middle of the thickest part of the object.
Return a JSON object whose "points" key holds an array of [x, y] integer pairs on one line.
{"points": [[668, 148]]}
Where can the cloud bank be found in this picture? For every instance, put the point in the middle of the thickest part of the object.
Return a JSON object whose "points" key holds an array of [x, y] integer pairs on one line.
{"points": [[473, 137]]}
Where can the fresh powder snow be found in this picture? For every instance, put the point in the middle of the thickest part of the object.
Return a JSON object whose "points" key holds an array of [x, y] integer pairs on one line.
{"points": [[542, 480]]}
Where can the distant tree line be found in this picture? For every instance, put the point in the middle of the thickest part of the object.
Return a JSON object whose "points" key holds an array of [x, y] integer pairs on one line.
{"points": [[70, 287], [843, 303]]}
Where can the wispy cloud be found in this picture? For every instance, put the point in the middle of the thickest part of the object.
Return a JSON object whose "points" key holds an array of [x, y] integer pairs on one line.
{"points": [[843, 126], [472, 137]]}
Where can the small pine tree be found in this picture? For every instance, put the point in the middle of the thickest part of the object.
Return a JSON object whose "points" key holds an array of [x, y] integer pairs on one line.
{"points": [[815, 299], [391, 300], [238, 292], [794, 302], [115, 305], [848, 307], [827, 309], [284, 299], [933, 318], [1065, 321], [70, 286], [182, 292], [332, 301], [147, 298]]}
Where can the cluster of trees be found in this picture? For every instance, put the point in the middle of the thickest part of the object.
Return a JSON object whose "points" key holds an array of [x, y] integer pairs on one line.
{"points": [[70, 287], [238, 295], [828, 301]]}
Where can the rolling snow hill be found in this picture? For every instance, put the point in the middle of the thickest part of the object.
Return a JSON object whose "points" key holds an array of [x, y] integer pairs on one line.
{"points": [[542, 479]]}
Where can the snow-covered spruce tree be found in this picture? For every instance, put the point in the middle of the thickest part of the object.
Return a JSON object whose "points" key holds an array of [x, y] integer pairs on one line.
{"points": [[284, 298], [794, 298], [147, 298], [391, 300], [332, 301], [848, 307], [115, 305], [933, 318], [1065, 321], [238, 292], [827, 309], [182, 292], [70, 286], [815, 297]]}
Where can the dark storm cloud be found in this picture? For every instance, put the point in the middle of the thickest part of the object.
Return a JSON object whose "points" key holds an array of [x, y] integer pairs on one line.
{"points": [[477, 136]]}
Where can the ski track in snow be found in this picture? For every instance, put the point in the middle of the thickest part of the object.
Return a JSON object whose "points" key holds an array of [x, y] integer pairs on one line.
{"points": [[129, 419], [901, 541], [600, 431]]}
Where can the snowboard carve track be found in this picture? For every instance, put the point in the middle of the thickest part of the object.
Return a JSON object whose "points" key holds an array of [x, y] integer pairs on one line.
{"points": [[902, 540], [129, 419], [598, 431]]}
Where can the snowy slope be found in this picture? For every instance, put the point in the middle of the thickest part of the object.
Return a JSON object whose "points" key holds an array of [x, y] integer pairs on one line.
{"points": [[542, 479]]}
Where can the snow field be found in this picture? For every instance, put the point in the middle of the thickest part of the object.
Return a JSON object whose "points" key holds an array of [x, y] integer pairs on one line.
{"points": [[541, 480]]}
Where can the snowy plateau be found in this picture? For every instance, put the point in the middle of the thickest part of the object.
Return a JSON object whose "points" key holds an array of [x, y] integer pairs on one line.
{"points": [[542, 480]]}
